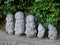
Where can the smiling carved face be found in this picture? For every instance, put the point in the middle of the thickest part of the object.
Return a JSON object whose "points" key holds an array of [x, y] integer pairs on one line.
{"points": [[30, 18], [9, 17]]}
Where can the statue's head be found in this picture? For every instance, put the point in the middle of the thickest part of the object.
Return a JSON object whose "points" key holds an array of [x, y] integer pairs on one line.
{"points": [[9, 17], [19, 15], [30, 18], [51, 27]]}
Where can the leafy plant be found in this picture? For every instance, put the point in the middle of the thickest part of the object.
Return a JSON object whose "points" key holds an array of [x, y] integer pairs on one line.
{"points": [[0, 17], [46, 10]]}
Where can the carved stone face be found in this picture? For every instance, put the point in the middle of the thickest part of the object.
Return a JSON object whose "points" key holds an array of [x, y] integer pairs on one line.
{"points": [[9, 17], [19, 15], [30, 18]]}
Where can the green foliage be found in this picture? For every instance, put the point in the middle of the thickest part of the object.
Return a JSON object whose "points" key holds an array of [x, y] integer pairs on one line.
{"points": [[0, 17], [11, 6], [47, 11]]}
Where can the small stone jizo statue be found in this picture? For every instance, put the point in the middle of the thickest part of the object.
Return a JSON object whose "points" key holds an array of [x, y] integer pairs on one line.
{"points": [[52, 33], [19, 23], [9, 24], [30, 26], [41, 31]]}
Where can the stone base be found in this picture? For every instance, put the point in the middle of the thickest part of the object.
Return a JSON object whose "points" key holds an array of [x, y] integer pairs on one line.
{"points": [[10, 33], [6, 39], [30, 36]]}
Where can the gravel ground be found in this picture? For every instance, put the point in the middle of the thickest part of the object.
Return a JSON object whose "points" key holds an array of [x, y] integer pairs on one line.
{"points": [[6, 39]]}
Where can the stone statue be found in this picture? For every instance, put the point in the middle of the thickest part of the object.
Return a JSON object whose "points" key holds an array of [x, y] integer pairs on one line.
{"points": [[41, 31], [9, 24], [52, 34], [30, 26], [19, 23]]}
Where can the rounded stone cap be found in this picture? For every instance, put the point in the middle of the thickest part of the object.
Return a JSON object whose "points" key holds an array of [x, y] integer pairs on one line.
{"points": [[30, 18], [50, 26], [9, 17], [19, 15]]}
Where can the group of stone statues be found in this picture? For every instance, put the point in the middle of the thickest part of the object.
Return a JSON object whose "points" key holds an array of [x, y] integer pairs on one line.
{"points": [[28, 28]]}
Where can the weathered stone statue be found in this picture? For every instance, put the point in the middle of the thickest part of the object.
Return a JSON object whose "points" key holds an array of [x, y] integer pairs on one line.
{"points": [[30, 26], [52, 34], [9, 24], [19, 24], [41, 31]]}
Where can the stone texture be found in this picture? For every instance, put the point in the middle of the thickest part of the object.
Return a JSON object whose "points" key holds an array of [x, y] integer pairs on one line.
{"points": [[52, 34], [10, 27], [9, 17], [30, 18], [19, 15], [9, 24], [41, 31], [30, 26], [6, 39], [19, 23]]}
